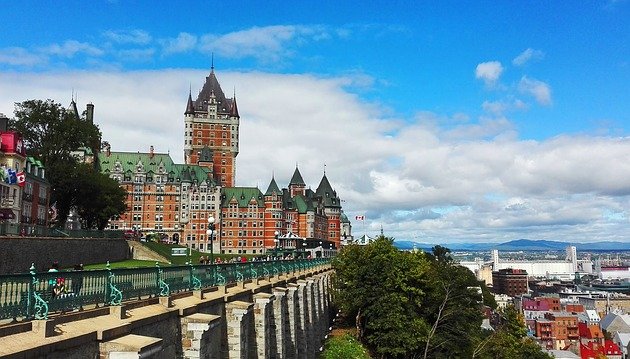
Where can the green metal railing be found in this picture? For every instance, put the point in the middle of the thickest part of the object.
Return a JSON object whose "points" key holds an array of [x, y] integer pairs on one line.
{"points": [[34, 295]]}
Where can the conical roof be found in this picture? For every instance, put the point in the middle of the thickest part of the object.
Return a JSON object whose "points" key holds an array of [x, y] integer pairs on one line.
{"points": [[212, 86], [273, 187], [190, 108], [325, 191], [297, 178], [234, 109]]}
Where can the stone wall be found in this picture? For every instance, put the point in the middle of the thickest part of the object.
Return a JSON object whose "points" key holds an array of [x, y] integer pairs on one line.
{"points": [[18, 253]]}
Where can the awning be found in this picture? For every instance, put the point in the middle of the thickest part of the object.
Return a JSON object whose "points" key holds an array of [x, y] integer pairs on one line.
{"points": [[6, 213]]}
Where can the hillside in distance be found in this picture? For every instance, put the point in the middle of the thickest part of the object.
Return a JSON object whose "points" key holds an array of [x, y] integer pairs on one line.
{"points": [[520, 245]]}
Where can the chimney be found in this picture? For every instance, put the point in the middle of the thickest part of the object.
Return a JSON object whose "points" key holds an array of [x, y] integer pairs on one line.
{"points": [[90, 113], [151, 152], [4, 122]]}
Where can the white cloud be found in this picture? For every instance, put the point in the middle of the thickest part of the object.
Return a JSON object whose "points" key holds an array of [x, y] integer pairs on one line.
{"points": [[70, 48], [469, 180], [540, 90], [18, 56], [500, 107], [489, 72], [269, 43], [182, 43], [137, 37], [527, 55]]}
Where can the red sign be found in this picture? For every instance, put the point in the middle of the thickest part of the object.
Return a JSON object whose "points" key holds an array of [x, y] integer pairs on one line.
{"points": [[12, 143]]}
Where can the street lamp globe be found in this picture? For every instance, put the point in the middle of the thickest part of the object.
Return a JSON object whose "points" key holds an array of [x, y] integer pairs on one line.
{"points": [[211, 219]]}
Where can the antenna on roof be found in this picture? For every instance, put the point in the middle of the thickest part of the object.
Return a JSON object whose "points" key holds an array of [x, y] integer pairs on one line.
{"points": [[212, 62], [324, 169]]}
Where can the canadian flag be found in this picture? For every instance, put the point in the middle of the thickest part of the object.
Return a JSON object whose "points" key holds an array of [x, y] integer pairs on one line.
{"points": [[21, 178], [360, 218]]}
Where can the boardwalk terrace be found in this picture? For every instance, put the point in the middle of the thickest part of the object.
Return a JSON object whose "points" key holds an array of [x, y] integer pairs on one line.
{"points": [[281, 311]]}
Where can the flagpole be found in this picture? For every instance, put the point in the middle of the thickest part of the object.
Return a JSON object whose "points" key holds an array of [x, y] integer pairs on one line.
{"points": [[364, 230]]}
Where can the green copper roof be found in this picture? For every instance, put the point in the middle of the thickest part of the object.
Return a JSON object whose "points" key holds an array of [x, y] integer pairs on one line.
{"points": [[343, 218], [157, 163], [301, 203], [243, 196]]}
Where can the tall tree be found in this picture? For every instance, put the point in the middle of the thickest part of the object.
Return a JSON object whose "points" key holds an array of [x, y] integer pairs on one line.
{"points": [[419, 305], [51, 133]]}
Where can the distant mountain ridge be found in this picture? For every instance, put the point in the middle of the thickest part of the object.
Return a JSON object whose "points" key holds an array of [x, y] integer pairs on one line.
{"points": [[520, 245]]}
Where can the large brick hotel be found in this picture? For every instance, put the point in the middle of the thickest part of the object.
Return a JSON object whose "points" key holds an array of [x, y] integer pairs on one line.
{"points": [[175, 201]]}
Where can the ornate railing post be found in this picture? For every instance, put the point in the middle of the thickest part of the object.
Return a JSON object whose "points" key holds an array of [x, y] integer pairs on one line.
{"points": [[218, 278], [164, 289], [35, 302], [239, 275], [114, 295], [195, 283], [252, 271]]}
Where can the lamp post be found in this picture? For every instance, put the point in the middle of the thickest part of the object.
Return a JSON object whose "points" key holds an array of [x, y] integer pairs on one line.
{"points": [[275, 241], [321, 249], [210, 233]]}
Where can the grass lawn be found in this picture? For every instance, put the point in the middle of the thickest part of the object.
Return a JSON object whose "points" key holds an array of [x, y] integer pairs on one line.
{"points": [[131, 263], [165, 251]]}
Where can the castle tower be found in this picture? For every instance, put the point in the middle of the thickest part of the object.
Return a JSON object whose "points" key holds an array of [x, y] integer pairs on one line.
{"points": [[211, 127], [332, 209]]}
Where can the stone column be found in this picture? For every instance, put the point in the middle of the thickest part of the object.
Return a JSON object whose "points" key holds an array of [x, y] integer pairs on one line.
{"points": [[238, 317], [322, 317], [263, 315], [303, 323], [291, 341], [201, 337], [311, 318], [280, 325]]}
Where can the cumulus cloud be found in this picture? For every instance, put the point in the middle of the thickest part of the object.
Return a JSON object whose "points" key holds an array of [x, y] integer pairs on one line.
{"points": [[18, 56], [539, 89], [469, 180], [70, 48], [269, 43], [182, 43], [137, 37], [500, 107], [489, 72], [528, 55]]}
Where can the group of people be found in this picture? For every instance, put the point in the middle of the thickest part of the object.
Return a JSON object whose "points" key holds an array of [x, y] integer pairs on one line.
{"points": [[58, 286], [243, 259]]}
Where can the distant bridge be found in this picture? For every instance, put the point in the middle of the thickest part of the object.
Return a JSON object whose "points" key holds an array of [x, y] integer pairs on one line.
{"points": [[276, 309]]}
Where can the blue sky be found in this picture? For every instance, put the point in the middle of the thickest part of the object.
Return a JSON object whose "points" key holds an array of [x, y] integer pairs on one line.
{"points": [[441, 121]]}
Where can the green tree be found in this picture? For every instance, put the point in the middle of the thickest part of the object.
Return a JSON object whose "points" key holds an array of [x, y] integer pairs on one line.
{"points": [[452, 306], [98, 198], [382, 288], [51, 133], [510, 340], [421, 305]]}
